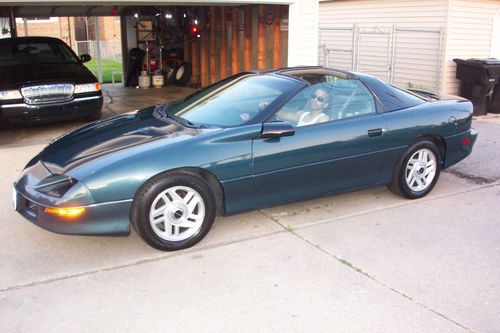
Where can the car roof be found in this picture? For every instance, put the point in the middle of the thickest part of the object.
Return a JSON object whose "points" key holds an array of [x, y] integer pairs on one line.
{"points": [[14, 40], [390, 97]]}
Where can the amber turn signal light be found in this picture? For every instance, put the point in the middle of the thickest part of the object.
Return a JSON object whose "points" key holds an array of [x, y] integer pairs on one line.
{"points": [[69, 212]]}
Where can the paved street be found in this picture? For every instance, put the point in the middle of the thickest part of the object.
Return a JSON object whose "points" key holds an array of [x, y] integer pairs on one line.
{"points": [[366, 261]]}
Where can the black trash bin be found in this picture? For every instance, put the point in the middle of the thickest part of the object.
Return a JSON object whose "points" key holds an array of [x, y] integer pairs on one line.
{"points": [[479, 78]]}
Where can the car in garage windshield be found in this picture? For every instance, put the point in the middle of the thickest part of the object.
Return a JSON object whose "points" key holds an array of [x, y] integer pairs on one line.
{"points": [[35, 52]]}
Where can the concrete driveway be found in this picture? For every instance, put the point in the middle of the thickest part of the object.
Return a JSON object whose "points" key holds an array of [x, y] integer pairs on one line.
{"points": [[366, 261]]}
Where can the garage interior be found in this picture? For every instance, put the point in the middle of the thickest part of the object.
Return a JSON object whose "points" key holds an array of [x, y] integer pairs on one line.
{"points": [[214, 41], [226, 40]]}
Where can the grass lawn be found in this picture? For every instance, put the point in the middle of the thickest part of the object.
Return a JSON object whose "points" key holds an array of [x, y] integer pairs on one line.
{"points": [[108, 66]]}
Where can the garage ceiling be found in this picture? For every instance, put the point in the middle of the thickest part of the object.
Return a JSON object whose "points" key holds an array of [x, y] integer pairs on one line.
{"points": [[102, 8]]}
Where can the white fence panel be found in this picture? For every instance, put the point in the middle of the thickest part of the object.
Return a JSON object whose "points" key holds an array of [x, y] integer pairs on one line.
{"points": [[404, 56]]}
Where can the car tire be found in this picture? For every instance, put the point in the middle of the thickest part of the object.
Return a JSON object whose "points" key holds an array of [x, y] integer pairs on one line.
{"points": [[418, 170], [173, 212], [182, 74], [94, 117]]}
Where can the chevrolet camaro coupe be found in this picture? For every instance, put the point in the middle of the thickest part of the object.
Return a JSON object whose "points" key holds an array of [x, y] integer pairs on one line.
{"points": [[42, 80], [253, 140]]}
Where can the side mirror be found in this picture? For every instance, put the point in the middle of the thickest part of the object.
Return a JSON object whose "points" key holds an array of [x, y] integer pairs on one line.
{"points": [[277, 129], [85, 57]]}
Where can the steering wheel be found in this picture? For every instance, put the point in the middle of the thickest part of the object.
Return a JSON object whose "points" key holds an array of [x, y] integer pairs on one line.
{"points": [[346, 103]]}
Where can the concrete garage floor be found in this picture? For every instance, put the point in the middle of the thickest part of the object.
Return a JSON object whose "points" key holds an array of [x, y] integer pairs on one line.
{"points": [[366, 261], [117, 100]]}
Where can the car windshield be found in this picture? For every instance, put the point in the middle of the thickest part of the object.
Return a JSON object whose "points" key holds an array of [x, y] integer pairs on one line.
{"points": [[234, 101], [35, 52]]}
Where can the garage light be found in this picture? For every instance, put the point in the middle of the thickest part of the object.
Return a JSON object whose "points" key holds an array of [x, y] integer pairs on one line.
{"points": [[68, 212], [136, 15], [86, 88], [10, 94]]}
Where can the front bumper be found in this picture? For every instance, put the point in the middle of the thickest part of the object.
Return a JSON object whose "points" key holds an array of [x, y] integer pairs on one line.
{"points": [[103, 219], [78, 107]]}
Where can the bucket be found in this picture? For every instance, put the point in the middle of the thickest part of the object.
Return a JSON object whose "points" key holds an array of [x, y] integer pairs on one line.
{"points": [[158, 79], [144, 81]]}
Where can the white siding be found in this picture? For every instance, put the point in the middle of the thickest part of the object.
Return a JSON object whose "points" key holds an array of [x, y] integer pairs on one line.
{"points": [[417, 53], [423, 13], [303, 33], [495, 42], [470, 34]]}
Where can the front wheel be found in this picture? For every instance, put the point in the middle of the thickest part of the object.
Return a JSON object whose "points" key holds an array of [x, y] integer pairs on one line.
{"points": [[173, 212], [418, 171]]}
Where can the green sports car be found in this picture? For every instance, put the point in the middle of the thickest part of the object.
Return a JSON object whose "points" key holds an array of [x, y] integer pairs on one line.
{"points": [[255, 139]]}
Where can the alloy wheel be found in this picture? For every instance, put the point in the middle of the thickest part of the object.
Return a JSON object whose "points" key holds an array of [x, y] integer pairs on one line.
{"points": [[420, 170], [177, 213]]}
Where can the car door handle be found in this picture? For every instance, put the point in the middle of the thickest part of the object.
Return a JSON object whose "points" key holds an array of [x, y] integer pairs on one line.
{"points": [[375, 132]]}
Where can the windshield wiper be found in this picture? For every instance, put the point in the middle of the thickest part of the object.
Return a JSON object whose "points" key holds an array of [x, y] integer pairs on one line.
{"points": [[161, 112]]}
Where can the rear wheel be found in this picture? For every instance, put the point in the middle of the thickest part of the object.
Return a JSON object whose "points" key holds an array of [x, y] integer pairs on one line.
{"points": [[418, 171], [173, 212]]}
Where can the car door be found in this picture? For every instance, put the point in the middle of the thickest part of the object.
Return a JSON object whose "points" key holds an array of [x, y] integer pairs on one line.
{"points": [[345, 152]]}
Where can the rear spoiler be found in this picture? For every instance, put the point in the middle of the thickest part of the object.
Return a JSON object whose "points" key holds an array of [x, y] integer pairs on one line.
{"points": [[425, 93], [435, 96]]}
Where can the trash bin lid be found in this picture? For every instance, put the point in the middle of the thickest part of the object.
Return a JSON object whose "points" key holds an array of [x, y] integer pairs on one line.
{"points": [[483, 63], [490, 67]]}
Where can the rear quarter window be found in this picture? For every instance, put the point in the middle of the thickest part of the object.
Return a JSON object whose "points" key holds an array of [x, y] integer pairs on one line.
{"points": [[392, 98]]}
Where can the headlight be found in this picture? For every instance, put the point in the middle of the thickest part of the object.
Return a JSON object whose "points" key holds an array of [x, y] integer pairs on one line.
{"points": [[87, 87], [10, 94]]}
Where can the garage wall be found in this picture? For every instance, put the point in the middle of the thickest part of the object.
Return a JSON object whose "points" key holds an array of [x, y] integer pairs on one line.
{"points": [[238, 38], [470, 35]]}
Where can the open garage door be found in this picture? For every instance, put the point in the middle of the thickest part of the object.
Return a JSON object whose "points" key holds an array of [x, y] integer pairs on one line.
{"points": [[212, 41]]}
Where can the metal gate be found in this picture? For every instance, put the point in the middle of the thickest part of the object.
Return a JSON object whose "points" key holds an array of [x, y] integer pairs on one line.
{"points": [[404, 56]]}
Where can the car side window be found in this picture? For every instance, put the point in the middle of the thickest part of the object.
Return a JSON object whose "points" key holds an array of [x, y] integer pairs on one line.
{"points": [[330, 98]]}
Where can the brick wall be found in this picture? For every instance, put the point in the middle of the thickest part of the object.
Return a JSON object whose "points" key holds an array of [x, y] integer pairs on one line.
{"points": [[64, 28]]}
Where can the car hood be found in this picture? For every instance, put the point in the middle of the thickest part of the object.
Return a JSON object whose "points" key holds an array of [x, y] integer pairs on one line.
{"points": [[113, 136], [16, 76]]}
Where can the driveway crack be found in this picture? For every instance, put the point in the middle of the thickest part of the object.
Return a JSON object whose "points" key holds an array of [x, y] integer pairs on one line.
{"points": [[381, 283]]}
